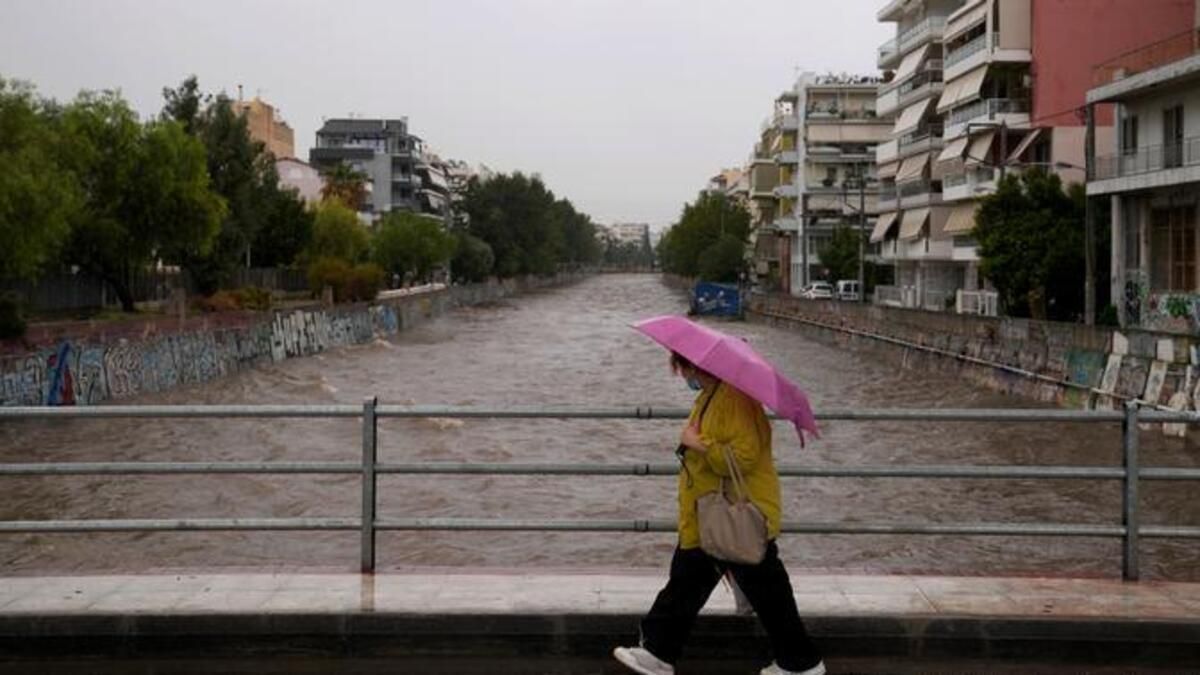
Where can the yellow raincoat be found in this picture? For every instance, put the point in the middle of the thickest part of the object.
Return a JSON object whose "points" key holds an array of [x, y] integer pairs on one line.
{"points": [[735, 420]]}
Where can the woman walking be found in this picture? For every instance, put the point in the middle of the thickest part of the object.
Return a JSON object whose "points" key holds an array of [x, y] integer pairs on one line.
{"points": [[724, 422]]}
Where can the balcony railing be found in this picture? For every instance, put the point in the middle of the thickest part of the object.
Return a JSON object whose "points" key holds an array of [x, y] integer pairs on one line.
{"points": [[919, 187], [1149, 57], [926, 135], [983, 303], [920, 80], [989, 107], [973, 47], [888, 50], [921, 31], [1149, 159]]}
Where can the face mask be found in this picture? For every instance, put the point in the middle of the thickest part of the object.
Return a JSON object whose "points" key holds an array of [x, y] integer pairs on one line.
{"points": [[694, 384]]}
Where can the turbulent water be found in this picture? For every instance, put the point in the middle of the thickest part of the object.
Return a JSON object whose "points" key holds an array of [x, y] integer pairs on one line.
{"points": [[572, 347]]}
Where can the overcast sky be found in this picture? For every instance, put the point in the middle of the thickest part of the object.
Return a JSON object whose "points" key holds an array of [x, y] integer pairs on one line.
{"points": [[626, 107]]}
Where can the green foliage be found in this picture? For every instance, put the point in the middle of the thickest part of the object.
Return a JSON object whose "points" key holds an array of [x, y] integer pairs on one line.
{"points": [[184, 104], [840, 257], [349, 283], [1108, 317], [724, 261], [345, 186], [38, 195], [145, 191], [411, 244], [286, 233], [528, 230], [337, 233], [1031, 245], [12, 324], [710, 219], [473, 259]]}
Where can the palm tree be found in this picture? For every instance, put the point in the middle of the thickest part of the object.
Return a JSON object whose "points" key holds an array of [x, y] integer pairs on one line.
{"points": [[345, 185]]}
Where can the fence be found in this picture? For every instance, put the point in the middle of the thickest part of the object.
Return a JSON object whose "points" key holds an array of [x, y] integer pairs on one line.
{"points": [[1177, 47], [1147, 159], [1130, 474]]}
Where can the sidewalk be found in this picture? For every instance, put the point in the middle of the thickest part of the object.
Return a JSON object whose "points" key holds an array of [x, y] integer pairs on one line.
{"points": [[506, 614]]}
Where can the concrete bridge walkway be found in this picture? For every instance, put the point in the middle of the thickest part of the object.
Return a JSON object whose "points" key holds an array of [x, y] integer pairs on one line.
{"points": [[458, 620]]}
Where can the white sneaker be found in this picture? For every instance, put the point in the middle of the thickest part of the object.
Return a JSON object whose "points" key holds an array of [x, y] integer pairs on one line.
{"points": [[640, 660], [774, 669]]}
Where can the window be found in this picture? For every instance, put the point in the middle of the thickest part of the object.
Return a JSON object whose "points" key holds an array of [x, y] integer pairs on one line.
{"points": [[1173, 137], [1173, 249], [1129, 135]]}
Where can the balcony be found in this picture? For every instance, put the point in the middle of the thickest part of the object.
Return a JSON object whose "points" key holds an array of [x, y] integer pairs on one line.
{"points": [[931, 28], [968, 184], [788, 191], [888, 101], [921, 140], [887, 152], [987, 109], [888, 52], [787, 157], [919, 193], [1149, 57], [787, 224], [920, 86], [969, 49], [1142, 164]]}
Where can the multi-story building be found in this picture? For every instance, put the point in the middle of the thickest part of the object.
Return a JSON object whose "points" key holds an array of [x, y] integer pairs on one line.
{"points": [[826, 164], [770, 252], [630, 233], [400, 174], [301, 177], [985, 88], [266, 126], [1152, 181]]}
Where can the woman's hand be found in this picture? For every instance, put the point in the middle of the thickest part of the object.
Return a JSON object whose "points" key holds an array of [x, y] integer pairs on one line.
{"points": [[690, 438]]}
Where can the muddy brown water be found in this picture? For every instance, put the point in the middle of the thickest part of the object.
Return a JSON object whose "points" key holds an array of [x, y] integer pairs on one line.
{"points": [[573, 347]]}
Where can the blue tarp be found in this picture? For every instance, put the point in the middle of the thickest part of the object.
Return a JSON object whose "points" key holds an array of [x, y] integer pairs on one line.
{"points": [[709, 299]]}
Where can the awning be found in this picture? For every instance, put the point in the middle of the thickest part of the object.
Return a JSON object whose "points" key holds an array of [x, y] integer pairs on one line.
{"points": [[909, 65], [962, 219], [913, 168], [883, 225], [888, 170], [963, 89], [911, 117], [913, 222], [980, 148], [954, 149], [966, 21], [938, 216], [1023, 146], [816, 132]]}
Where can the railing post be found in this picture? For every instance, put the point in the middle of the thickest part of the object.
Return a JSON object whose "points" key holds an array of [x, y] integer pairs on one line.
{"points": [[369, 430], [1129, 562]]}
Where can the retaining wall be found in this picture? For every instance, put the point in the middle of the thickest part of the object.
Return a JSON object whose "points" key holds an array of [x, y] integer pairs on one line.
{"points": [[1067, 364], [83, 363]]}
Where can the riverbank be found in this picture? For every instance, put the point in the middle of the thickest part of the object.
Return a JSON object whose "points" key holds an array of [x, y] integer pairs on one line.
{"points": [[1070, 365], [88, 362]]}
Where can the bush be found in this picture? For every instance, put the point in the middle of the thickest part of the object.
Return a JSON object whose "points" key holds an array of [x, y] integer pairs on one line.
{"points": [[332, 272], [251, 297], [12, 324], [365, 281]]}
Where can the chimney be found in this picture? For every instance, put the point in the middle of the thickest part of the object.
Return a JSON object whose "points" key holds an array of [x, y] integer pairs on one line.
{"points": [[239, 93]]}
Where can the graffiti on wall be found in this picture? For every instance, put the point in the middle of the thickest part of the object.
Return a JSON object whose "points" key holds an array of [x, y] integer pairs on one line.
{"points": [[80, 373], [1172, 312]]}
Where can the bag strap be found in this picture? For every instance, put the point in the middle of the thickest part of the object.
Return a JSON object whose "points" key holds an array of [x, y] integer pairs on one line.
{"points": [[682, 449], [735, 474]]}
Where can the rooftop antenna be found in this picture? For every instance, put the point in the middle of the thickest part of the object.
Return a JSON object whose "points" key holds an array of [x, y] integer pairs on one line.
{"points": [[239, 93]]}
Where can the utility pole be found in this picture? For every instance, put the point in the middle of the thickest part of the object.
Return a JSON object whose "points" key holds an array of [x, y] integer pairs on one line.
{"points": [[1089, 228], [862, 233]]}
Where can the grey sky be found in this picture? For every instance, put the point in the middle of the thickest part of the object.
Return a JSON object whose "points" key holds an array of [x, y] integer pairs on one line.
{"points": [[626, 107]]}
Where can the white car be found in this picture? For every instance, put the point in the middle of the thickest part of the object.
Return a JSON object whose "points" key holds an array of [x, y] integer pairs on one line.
{"points": [[847, 289], [818, 290]]}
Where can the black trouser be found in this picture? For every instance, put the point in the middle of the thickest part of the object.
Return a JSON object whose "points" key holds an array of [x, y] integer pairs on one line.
{"points": [[694, 574]]}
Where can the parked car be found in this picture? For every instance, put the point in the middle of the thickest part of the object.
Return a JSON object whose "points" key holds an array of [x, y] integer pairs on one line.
{"points": [[847, 289], [818, 290]]}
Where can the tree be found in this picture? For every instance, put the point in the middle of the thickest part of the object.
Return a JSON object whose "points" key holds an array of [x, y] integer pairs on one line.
{"points": [[287, 232], [840, 256], [38, 196], [702, 224], [1031, 245], [473, 259], [407, 243], [145, 188], [515, 215], [724, 261], [346, 186], [185, 103], [337, 233]]}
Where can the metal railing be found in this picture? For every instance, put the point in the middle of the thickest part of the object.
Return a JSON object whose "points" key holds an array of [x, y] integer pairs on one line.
{"points": [[1151, 56], [369, 468], [989, 107], [971, 48], [983, 303], [1148, 159]]}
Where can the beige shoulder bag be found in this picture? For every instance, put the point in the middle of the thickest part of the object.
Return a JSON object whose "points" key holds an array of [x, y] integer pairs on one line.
{"points": [[733, 530]]}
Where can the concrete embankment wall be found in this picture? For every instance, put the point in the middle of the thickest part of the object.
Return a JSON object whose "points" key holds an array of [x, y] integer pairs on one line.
{"points": [[1067, 364], [83, 363]]}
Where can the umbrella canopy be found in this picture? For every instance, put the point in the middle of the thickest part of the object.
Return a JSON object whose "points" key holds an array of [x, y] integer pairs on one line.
{"points": [[732, 360]]}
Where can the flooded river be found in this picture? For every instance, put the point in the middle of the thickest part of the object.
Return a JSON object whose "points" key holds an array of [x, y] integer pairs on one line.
{"points": [[572, 347]]}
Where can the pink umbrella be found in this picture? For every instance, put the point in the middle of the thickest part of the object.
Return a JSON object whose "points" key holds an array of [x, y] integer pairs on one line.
{"points": [[733, 361]]}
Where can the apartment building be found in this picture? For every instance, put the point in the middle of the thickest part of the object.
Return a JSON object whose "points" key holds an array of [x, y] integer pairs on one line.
{"points": [[266, 126], [401, 175], [826, 165], [1152, 181], [984, 88], [771, 253]]}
